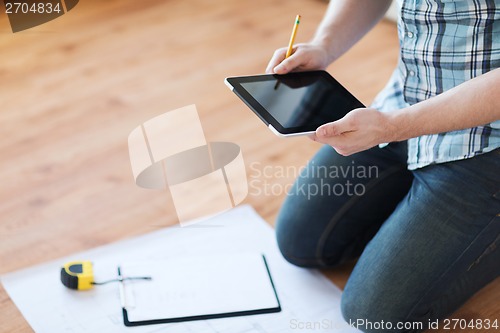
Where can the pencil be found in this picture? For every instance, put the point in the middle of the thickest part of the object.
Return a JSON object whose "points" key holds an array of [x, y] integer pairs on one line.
{"points": [[292, 37]]}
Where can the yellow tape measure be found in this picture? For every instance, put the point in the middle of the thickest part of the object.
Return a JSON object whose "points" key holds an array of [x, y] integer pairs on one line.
{"points": [[79, 275]]}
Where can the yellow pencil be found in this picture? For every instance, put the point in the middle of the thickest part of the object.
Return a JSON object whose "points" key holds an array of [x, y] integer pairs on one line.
{"points": [[292, 37]]}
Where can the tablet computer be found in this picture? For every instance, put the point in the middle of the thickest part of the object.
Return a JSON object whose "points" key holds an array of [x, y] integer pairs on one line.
{"points": [[294, 103]]}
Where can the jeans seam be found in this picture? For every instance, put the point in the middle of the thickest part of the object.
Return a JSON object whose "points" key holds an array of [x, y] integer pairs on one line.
{"points": [[492, 247], [341, 212], [303, 261]]}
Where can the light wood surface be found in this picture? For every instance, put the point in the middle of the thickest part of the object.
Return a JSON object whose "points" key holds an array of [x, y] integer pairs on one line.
{"points": [[72, 90]]}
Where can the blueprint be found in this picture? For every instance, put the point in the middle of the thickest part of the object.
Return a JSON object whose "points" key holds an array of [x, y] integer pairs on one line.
{"points": [[309, 301]]}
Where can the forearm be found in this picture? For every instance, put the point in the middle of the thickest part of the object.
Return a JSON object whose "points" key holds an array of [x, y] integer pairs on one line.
{"points": [[346, 22], [473, 103]]}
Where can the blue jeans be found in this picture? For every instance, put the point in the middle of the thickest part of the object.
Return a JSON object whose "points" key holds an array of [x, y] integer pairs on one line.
{"points": [[426, 239]]}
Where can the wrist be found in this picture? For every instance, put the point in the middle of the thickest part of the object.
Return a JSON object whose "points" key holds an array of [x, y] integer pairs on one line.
{"points": [[399, 125], [327, 45]]}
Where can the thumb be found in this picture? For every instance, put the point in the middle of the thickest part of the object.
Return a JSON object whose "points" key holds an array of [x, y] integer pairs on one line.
{"points": [[288, 64], [332, 129]]}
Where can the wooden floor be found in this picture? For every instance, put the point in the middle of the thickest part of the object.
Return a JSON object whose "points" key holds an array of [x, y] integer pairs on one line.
{"points": [[72, 89]]}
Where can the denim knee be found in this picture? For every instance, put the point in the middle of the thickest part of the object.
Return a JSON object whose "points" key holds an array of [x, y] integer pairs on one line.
{"points": [[372, 312], [355, 309], [291, 245], [299, 240]]}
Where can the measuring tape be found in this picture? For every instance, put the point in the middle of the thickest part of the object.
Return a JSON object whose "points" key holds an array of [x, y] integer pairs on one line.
{"points": [[79, 275]]}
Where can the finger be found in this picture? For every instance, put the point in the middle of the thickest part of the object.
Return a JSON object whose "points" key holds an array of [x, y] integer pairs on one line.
{"points": [[288, 64], [335, 141], [277, 57], [312, 137], [333, 129]]}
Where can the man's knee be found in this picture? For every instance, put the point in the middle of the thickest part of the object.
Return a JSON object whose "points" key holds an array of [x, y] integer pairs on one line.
{"points": [[293, 243], [299, 244], [373, 311]]}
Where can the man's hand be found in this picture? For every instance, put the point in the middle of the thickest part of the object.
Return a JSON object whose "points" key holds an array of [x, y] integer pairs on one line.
{"points": [[305, 57], [359, 130], [334, 36], [470, 104]]}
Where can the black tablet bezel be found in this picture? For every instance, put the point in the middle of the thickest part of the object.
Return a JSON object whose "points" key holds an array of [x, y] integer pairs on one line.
{"points": [[263, 114]]}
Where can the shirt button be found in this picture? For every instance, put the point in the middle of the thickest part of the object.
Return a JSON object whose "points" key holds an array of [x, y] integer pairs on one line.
{"points": [[409, 34], [411, 73]]}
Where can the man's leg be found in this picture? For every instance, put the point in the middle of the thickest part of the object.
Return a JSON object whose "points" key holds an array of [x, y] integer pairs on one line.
{"points": [[435, 251], [338, 203]]}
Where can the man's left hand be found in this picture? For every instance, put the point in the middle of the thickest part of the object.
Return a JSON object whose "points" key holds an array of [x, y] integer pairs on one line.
{"points": [[359, 130]]}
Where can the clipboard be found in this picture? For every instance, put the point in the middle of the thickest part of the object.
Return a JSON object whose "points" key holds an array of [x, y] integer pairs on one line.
{"points": [[197, 288]]}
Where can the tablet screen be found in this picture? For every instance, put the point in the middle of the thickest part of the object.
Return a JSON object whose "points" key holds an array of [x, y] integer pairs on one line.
{"points": [[298, 102]]}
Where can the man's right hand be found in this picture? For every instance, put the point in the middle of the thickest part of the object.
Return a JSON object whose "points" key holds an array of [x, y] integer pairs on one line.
{"points": [[305, 57], [335, 35]]}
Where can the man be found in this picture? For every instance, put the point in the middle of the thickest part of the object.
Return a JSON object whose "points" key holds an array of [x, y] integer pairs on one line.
{"points": [[427, 227]]}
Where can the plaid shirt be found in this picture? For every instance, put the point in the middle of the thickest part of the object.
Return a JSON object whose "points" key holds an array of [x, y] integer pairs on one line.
{"points": [[444, 43]]}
